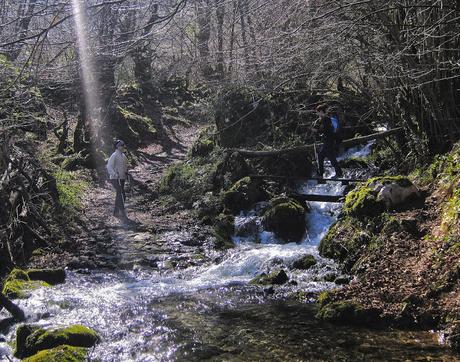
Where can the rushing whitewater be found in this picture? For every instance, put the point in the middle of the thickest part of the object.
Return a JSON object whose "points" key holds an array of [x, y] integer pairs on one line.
{"points": [[209, 311]]}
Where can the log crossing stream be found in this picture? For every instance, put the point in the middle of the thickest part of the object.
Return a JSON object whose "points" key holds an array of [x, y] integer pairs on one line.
{"points": [[212, 312]]}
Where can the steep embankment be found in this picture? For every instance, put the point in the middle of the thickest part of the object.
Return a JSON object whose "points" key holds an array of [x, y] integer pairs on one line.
{"points": [[406, 260]]}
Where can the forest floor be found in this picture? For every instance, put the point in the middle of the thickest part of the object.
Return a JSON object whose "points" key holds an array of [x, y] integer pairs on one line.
{"points": [[156, 234]]}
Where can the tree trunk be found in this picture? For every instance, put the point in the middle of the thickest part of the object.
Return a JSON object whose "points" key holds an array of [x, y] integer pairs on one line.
{"points": [[220, 12]]}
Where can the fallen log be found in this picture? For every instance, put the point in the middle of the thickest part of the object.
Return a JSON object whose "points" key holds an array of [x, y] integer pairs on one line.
{"points": [[311, 147]]}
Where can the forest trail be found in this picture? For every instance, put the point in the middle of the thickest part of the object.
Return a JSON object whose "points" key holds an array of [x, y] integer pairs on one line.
{"points": [[154, 233]]}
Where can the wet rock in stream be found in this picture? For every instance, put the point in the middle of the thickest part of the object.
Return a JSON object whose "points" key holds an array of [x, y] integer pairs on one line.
{"points": [[286, 218], [277, 277]]}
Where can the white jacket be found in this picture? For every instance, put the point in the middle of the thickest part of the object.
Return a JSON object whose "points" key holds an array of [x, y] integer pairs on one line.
{"points": [[117, 165]]}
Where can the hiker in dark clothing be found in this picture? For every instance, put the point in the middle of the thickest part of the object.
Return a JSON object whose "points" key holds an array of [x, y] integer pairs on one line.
{"points": [[329, 143]]}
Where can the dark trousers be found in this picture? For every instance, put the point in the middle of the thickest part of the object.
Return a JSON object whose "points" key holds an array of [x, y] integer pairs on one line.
{"points": [[329, 150], [119, 186]]}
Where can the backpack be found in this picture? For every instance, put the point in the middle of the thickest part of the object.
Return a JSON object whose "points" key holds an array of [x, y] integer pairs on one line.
{"points": [[335, 124]]}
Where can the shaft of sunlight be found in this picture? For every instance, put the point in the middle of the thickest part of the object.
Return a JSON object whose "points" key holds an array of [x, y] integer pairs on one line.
{"points": [[87, 69]]}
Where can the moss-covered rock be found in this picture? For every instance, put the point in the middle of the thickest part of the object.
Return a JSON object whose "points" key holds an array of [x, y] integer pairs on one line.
{"points": [[30, 339], [224, 228], [243, 194], [304, 263], [362, 202], [286, 218], [202, 147], [19, 284], [345, 241], [277, 277], [347, 312], [60, 354], [50, 276], [231, 168], [378, 193]]}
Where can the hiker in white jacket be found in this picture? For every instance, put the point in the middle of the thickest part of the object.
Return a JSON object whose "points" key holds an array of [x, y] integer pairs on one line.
{"points": [[117, 166]]}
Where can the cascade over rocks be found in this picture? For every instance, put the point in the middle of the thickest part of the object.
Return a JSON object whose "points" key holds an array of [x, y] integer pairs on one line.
{"points": [[286, 218]]}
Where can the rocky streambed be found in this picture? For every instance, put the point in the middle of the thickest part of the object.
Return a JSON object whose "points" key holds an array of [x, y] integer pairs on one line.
{"points": [[211, 307]]}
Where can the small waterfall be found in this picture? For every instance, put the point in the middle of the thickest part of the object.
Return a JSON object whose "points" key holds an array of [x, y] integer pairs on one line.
{"points": [[150, 316]]}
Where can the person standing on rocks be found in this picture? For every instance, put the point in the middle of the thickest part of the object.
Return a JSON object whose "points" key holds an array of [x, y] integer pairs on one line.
{"points": [[117, 167], [329, 148]]}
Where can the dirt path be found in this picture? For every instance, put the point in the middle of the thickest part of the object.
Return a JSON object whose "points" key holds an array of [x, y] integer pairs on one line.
{"points": [[153, 236]]}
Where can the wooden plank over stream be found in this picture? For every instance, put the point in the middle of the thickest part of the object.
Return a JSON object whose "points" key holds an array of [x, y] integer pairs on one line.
{"points": [[311, 147], [320, 198], [319, 179]]}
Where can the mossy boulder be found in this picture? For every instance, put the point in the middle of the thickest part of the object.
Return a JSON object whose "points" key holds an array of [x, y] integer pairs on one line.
{"points": [[362, 202], [347, 312], [50, 276], [224, 228], [243, 194], [377, 194], [345, 241], [304, 263], [275, 278], [230, 168], [286, 218], [202, 147], [62, 353], [19, 282], [32, 339]]}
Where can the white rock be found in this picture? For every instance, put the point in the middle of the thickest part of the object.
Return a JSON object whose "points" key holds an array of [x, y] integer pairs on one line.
{"points": [[394, 194]]}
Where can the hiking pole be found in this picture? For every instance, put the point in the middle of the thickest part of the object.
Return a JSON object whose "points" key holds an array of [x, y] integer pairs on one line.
{"points": [[316, 156]]}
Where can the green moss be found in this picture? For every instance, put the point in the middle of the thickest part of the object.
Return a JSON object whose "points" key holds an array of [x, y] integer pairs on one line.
{"points": [[347, 312], [362, 202], [224, 228], [60, 354], [202, 147], [139, 124], [243, 194], [402, 181], [176, 176], [324, 298], [18, 284], [304, 263], [286, 218], [451, 213], [70, 188], [188, 181], [50, 276], [30, 340], [345, 241], [20, 288], [276, 277]]}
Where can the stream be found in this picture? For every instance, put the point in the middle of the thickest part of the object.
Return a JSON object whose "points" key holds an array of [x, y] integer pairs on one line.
{"points": [[211, 312]]}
